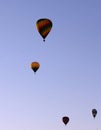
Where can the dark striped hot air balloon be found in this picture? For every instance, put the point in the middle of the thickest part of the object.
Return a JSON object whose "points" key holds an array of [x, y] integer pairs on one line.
{"points": [[35, 66], [94, 112], [44, 26], [65, 120]]}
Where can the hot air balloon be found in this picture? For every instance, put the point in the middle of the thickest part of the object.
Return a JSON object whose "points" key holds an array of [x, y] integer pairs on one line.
{"points": [[94, 112], [35, 66], [65, 120], [44, 26]]}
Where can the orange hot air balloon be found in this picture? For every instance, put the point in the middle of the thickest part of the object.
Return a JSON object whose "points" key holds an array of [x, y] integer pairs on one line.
{"points": [[65, 120], [35, 66], [94, 112], [44, 26]]}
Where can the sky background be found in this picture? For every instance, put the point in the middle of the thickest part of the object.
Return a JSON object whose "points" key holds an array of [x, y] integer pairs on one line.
{"points": [[68, 82]]}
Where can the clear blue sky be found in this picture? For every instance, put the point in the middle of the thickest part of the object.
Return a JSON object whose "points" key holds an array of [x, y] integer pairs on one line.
{"points": [[69, 79]]}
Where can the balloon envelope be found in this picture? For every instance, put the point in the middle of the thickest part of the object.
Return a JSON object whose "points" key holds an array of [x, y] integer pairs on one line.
{"points": [[94, 112], [35, 66], [65, 120], [44, 26]]}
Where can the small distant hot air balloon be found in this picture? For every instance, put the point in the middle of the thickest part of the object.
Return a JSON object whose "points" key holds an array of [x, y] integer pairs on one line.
{"points": [[65, 120], [35, 66], [94, 112], [44, 26]]}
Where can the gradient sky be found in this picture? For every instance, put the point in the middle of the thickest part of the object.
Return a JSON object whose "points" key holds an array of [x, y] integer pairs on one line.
{"points": [[68, 82]]}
